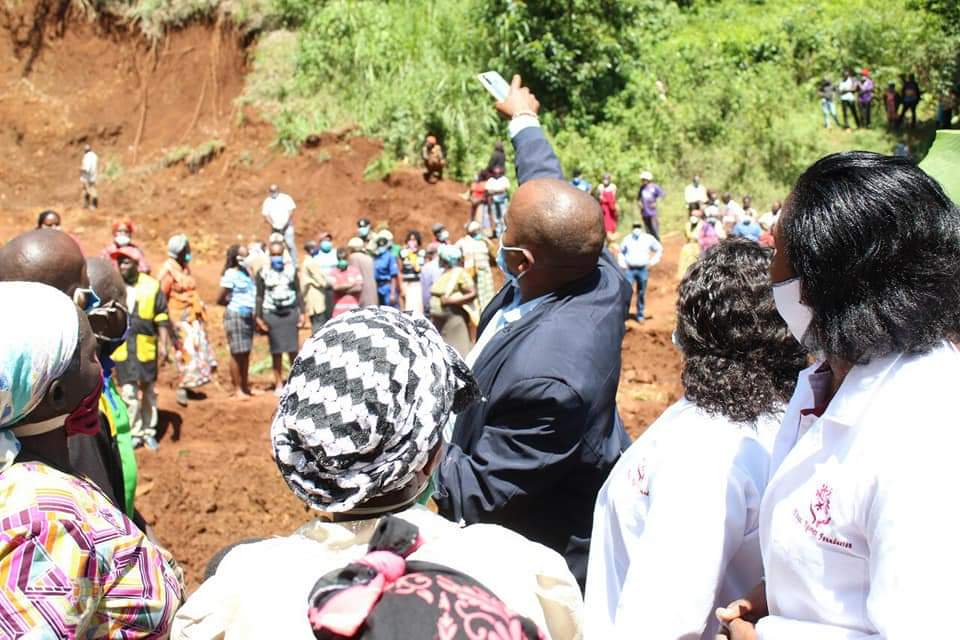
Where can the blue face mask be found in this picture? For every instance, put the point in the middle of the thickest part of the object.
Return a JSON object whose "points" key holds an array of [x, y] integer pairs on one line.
{"points": [[504, 267], [187, 258], [363, 232], [326, 246], [276, 263], [381, 250]]}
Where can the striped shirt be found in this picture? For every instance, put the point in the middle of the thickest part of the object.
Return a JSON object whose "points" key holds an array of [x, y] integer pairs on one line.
{"points": [[73, 566], [243, 291]]}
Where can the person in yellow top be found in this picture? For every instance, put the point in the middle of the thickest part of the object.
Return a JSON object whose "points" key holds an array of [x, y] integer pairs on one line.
{"points": [[476, 260], [147, 339]]}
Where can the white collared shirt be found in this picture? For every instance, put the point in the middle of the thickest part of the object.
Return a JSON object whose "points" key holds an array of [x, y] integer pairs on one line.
{"points": [[504, 316], [278, 210], [89, 166], [859, 526], [675, 527], [694, 193]]}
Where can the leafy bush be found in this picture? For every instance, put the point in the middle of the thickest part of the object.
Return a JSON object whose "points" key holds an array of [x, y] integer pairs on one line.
{"points": [[724, 88]]}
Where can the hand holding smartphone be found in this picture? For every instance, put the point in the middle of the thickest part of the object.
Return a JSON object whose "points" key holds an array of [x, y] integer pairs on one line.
{"points": [[495, 84]]}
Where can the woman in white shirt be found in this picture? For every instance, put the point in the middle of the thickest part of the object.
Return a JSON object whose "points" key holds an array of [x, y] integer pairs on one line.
{"points": [[859, 527], [675, 526]]}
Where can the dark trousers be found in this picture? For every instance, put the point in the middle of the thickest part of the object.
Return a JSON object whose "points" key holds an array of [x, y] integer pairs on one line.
{"points": [[865, 112], [903, 114], [638, 276], [652, 224], [850, 107]]}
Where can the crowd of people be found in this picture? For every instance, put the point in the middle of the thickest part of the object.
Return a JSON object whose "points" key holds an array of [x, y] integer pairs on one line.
{"points": [[796, 490], [858, 92]]}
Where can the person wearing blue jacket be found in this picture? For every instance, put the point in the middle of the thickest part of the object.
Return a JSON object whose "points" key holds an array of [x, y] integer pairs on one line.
{"points": [[534, 455]]}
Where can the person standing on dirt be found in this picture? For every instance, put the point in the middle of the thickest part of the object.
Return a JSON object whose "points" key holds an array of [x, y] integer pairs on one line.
{"points": [[280, 310], [534, 455], [113, 443], [278, 209], [386, 271], [607, 195], [146, 345], [433, 160], [909, 99], [826, 92], [497, 187], [429, 273], [238, 293], [188, 319], [123, 237], [650, 192], [411, 263], [640, 251], [315, 274], [848, 88], [865, 97], [695, 194], [88, 177], [346, 282], [363, 261]]}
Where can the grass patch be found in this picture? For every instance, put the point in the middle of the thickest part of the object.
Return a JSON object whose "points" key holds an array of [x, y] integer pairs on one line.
{"points": [[194, 158]]}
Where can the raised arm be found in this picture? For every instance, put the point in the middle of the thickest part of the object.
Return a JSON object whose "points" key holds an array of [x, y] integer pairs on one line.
{"points": [[535, 157]]}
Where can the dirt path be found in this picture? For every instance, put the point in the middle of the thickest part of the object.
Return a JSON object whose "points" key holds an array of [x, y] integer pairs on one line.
{"points": [[213, 481]]}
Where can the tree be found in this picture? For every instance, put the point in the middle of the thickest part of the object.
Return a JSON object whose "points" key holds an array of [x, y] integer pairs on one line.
{"points": [[574, 54]]}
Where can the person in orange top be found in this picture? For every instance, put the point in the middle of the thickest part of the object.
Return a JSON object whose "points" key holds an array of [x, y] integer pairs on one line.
{"points": [[195, 359]]}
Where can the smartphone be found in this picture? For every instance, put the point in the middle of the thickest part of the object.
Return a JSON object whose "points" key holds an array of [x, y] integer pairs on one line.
{"points": [[495, 84]]}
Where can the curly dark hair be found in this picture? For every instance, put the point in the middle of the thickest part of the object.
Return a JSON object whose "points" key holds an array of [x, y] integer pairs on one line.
{"points": [[740, 360], [876, 245], [232, 252]]}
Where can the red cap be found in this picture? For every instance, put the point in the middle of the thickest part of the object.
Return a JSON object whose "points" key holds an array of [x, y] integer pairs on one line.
{"points": [[126, 252], [865, 72]]}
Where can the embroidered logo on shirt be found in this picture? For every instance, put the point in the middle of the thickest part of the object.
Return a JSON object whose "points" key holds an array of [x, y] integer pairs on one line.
{"points": [[820, 517], [820, 506]]}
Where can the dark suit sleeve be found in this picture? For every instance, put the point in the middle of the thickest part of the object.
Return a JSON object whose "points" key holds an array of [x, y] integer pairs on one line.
{"points": [[530, 443], [535, 157]]}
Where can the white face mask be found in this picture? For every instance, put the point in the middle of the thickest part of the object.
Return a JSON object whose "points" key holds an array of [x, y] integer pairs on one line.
{"points": [[798, 316], [122, 239]]}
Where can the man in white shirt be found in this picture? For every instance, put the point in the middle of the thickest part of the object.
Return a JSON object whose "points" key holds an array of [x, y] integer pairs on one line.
{"points": [[496, 188], [278, 210], [640, 251], [695, 194], [88, 177]]}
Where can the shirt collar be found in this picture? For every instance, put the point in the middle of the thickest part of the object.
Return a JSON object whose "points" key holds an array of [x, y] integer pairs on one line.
{"points": [[854, 395]]}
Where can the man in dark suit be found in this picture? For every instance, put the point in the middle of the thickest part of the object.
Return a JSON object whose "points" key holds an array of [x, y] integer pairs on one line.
{"points": [[534, 455]]}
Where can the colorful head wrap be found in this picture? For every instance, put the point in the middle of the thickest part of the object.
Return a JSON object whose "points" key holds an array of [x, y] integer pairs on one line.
{"points": [[40, 342], [384, 596], [176, 245], [364, 407]]}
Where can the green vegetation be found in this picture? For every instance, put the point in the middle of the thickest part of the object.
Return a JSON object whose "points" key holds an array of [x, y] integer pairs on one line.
{"points": [[725, 88], [112, 170], [194, 158]]}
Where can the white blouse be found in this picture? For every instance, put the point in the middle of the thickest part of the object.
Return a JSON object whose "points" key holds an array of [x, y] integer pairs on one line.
{"points": [[675, 527], [859, 527]]}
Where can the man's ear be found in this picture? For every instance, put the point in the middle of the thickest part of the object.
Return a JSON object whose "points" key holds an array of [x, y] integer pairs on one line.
{"points": [[56, 396]]}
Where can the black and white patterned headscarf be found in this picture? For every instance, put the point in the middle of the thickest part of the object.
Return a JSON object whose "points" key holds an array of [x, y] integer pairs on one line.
{"points": [[364, 406]]}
